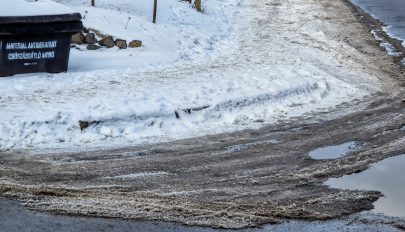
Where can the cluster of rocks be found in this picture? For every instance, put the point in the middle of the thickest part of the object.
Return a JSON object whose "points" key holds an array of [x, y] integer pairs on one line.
{"points": [[90, 38]]}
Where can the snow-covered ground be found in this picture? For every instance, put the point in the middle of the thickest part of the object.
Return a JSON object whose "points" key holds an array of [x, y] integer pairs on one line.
{"points": [[236, 66], [33, 8], [180, 34]]}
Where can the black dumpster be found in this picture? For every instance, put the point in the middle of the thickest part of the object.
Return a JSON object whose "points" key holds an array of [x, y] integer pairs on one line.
{"points": [[36, 43]]}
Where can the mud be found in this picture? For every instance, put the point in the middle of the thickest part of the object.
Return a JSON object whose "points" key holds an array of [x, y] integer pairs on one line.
{"points": [[203, 182], [377, 26], [19, 219]]}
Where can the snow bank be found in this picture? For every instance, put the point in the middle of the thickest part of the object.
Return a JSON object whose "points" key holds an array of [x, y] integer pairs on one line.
{"points": [[33, 8], [197, 74]]}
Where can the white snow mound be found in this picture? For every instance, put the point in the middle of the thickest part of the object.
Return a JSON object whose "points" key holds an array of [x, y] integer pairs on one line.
{"points": [[197, 74]]}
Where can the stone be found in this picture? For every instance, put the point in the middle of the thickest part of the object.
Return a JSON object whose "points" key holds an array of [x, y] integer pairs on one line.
{"points": [[78, 38], [135, 44], [93, 47], [259, 120], [83, 125], [122, 44], [107, 42], [90, 38]]}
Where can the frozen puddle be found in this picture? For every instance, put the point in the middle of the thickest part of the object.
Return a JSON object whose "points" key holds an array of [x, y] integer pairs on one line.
{"points": [[333, 152], [387, 177]]}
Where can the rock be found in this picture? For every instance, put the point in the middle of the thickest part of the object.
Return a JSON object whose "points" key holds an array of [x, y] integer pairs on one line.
{"points": [[90, 38], [107, 42], [93, 47], [85, 30], [122, 44], [176, 113], [83, 125], [135, 44], [78, 38]]}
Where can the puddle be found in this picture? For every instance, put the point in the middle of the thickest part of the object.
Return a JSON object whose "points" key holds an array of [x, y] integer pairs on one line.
{"points": [[333, 152], [387, 177]]}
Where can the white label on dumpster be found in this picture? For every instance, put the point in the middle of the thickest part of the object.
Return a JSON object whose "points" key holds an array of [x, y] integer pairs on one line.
{"points": [[31, 45], [30, 55], [31, 50]]}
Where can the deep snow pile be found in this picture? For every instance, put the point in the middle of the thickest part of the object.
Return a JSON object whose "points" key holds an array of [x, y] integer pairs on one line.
{"points": [[196, 74]]}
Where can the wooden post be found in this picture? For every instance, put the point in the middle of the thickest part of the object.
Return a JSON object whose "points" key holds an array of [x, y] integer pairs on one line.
{"points": [[154, 10], [198, 5], [92, 3]]}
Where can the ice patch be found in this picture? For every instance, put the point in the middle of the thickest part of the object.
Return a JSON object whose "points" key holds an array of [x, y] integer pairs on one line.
{"points": [[138, 175], [240, 147], [386, 176], [333, 152], [387, 46]]}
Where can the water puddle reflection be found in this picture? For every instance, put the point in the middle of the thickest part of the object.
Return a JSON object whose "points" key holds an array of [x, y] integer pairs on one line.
{"points": [[387, 177], [333, 152]]}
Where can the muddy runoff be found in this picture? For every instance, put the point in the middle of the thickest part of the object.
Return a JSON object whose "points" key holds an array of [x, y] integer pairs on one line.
{"points": [[233, 180]]}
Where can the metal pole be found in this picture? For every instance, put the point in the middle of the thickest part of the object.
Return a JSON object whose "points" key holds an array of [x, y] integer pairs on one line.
{"points": [[154, 11]]}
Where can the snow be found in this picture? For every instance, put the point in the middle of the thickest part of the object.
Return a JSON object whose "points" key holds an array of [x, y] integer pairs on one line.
{"points": [[211, 62], [386, 45], [181, 33], [33, 8]]}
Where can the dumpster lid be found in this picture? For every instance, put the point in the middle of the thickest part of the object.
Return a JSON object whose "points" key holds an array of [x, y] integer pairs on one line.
{"points": [[36, 11]]}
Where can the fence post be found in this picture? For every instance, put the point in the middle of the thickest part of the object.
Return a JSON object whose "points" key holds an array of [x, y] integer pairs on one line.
{"points": [[154, 10], [92, 3], [198, 5]]}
